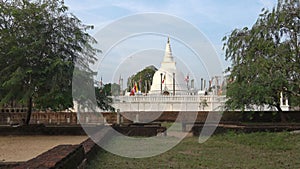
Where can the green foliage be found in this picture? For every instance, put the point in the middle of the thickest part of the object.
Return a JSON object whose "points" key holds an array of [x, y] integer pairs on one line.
{"points": [[83, 91], [102, 96], [265, 59], [39, 45], [203, 104], [146, 75]]}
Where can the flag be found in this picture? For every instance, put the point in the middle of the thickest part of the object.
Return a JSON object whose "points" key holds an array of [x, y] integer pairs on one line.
{"points": [[146, 90], [132, 92], [187, 78], [163, 81], [135, 88]]}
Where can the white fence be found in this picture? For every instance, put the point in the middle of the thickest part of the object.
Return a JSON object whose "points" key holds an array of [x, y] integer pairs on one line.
{"points": [[169, 103]]}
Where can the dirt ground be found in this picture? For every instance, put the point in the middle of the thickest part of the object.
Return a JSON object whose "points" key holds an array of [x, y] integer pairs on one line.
{"points": [[23, 148]]}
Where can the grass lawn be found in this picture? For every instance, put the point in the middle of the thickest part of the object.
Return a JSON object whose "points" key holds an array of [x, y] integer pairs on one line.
{"points": [[230, 150]]}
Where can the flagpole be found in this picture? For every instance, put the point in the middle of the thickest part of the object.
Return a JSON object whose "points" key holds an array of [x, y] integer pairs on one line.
{"points": [[161, 83], [146, 90]]}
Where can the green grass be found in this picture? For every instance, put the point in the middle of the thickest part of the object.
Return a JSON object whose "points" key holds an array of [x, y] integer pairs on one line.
{"points": [[230, 150]]}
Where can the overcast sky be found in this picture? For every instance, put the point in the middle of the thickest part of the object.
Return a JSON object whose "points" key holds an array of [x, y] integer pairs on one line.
{"points": [[213, 18]]}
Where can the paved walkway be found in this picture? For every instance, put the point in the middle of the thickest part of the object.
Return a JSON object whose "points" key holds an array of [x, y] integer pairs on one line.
{"points": [[23, 148]]}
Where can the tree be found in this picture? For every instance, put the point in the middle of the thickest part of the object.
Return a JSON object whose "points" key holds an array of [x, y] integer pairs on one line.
{"points": [[102, 96], [265, 59], [39, 45], [203, 104], [146, 75]]}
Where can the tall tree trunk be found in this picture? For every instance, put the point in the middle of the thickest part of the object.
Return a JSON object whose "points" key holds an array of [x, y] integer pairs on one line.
{"points": [[29, 111], [282, 115]]}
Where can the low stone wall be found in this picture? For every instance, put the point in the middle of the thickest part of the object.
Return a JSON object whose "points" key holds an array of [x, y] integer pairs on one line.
{"points": [[40, 129], [263, 116], [246, 128], [143, 131], [91, 148], [57, 118], [9, 165], [169, 116], [68, 118], [62, 156], [227, 117]]}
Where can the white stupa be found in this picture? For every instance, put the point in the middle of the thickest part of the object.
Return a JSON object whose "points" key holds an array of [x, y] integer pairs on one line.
{"points": [[162, 82]]}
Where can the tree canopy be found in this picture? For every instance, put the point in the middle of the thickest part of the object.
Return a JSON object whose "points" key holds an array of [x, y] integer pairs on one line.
{"points": [[39, 45], [141, 78], [265, 59]]}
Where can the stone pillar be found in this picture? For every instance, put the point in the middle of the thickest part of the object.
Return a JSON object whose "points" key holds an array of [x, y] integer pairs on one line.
{"points": [[137, 118], [122, 119], [104, 120], [118, 116], [192, 84]]}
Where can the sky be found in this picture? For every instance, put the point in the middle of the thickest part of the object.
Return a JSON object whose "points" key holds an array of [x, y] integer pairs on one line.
{"points": [[126, 49]]}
